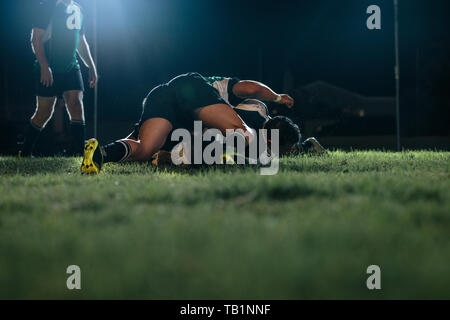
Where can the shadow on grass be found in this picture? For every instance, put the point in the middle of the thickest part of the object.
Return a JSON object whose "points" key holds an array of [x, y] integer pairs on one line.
{"points": [[192, 170], [59, 165], [338, 162], [14, 166]]}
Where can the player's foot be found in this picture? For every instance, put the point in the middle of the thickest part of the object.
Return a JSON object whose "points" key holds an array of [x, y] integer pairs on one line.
{"points": [[312, 145], [93, 157], [226, 159], [162, 158]]}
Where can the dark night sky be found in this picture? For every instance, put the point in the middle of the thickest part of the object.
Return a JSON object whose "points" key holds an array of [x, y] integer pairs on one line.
{"points": [[145, 42]]}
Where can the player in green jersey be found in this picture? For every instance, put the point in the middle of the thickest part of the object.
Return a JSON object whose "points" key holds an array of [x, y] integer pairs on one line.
{"points": [[57, 37], [177, 104], [255, 112]]}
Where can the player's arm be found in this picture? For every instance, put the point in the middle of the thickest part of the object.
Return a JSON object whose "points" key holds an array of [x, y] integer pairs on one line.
{"points": [[37, 44], [252, 89], [86, 56]]}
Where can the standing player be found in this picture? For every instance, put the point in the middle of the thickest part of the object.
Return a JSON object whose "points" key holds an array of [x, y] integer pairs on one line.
{"points": [[57, 36]]}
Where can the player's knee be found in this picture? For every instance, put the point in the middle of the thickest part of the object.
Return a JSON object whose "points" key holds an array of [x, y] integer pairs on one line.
{"points": [[39, 122], [75, 103], [41, 117], [250, 135], [240, 127], [247, 134]]}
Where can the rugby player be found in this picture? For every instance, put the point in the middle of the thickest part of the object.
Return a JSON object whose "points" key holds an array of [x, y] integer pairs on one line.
{"points": [[177, 104], [57, 36], [256, 114], [234, 91]]}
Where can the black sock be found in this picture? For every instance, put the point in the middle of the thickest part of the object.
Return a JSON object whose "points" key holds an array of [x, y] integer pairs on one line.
{"points": [[31, 137], [118, 151], [307, 145], [78, 137]]}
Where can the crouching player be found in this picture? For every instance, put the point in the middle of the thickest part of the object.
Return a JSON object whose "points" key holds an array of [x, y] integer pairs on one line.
{"points": [[256, 114], [247, 96], [176, 104], [190, 97]]}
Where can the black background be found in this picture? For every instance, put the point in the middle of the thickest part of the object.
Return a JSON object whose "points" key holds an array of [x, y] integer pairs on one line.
{"points": [[142, 43]]}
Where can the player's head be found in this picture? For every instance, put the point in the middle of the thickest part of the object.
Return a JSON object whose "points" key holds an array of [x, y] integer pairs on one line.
{"points": [[289, 133]]}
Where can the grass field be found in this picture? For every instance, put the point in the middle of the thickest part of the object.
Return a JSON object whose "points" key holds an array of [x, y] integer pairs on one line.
{"points": [[309, 232]]}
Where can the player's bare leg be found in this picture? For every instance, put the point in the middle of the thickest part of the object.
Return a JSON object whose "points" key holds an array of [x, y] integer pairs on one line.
{"points": [[223, 117], [44, 111], [152, 136]]}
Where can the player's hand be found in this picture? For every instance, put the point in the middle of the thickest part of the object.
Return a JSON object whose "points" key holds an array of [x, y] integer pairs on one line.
{"points": [[93, 77], [46, 77], [286, 100]]}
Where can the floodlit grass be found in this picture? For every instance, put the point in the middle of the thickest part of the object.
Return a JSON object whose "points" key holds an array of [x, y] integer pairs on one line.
{"points": [[309, 232]]}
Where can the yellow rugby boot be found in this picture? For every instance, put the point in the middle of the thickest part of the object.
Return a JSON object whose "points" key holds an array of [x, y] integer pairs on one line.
{"points": [[89, 166], [226, 159]]}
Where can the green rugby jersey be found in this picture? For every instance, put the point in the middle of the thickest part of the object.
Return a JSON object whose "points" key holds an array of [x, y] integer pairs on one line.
{"points": [[254, 115], [225, 87], [64, 26]]}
